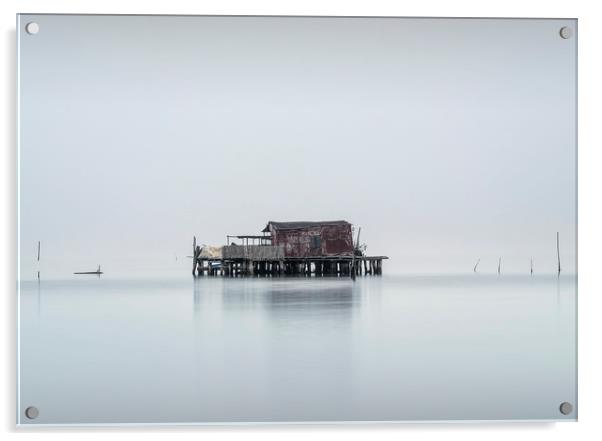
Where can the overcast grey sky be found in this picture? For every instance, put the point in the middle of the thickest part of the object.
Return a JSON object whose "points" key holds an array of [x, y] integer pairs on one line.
{"points": [[446, 140]]}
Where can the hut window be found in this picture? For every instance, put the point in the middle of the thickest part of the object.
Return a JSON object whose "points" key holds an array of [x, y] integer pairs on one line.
{"points": [[316, 241]]}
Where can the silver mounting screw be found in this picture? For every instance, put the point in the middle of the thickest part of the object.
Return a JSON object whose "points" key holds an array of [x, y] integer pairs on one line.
{"points": [[32, 412], [566, 408], [566, 32], [32, 28]]}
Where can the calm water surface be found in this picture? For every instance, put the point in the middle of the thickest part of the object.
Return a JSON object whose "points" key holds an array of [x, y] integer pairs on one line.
{"points": [[101, 350]]}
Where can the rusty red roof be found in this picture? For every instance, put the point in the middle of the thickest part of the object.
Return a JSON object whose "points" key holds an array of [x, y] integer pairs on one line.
{"points": [[301, 224]]}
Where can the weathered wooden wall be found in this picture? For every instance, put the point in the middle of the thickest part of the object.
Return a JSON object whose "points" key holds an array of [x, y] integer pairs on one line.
{"points": [[253, 252], [315, 241]]}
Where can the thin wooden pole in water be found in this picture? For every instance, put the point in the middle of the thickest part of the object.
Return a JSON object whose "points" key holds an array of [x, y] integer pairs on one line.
{"points": [[475, 265], [194, 255], [38, 260], [352, 258], [531, 266], [558, 249], [499, 265]]}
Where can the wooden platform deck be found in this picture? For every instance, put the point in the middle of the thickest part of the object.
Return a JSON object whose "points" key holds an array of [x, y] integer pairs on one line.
{"points": [[257, 262]]}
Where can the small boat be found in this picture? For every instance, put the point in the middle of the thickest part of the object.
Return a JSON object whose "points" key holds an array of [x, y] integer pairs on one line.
{"points": [[98, 272]]}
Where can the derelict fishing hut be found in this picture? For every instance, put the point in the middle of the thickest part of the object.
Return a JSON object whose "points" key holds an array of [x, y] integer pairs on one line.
{"points": [[289, 248]]}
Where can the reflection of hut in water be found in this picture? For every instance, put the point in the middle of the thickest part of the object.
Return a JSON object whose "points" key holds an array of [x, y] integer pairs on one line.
{"points": [[290, 248]]}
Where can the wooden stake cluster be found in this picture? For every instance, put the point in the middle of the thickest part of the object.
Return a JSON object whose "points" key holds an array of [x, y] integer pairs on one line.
{"points": [[499, 264]]}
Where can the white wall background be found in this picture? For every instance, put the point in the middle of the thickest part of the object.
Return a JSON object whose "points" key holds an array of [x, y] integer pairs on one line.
{"points": [[590, 40]]}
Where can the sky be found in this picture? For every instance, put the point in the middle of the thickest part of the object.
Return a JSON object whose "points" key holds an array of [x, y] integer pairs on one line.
{"points": [[446, 140]]}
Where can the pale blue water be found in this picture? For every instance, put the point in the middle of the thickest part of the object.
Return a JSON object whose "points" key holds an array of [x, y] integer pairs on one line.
{"points": [[174, 350]]}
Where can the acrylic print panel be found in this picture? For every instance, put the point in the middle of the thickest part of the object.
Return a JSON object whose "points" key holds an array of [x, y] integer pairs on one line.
{"points": [[296, 219]]}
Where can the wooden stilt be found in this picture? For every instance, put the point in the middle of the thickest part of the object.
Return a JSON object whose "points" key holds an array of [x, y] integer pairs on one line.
{"points": [[194, 255], [558, 249]]}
